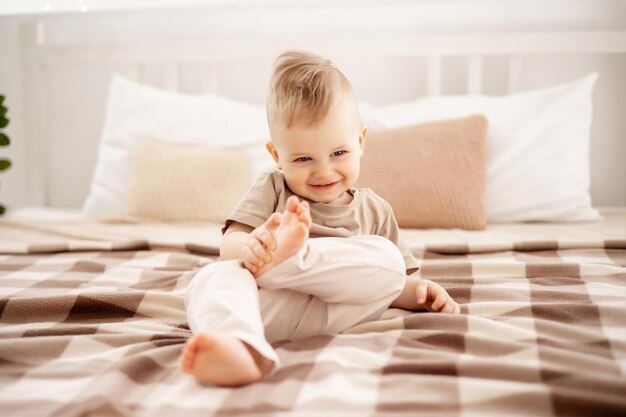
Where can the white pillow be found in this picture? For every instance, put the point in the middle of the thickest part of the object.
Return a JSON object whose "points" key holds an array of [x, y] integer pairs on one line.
{"points": [[135, 110], [538, 142], [538, 148]]}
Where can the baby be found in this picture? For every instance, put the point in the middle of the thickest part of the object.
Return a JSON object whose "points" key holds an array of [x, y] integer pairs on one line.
{"points": [[304, 253]]}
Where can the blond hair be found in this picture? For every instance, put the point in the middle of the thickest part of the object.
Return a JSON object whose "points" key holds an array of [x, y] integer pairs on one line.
{"points": [[303, 87]]}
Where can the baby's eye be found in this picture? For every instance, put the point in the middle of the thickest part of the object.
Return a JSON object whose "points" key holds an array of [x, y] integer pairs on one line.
{"points": [[302, 159], [339, 153]]}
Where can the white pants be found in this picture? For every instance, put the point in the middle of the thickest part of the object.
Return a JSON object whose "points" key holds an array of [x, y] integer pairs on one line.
{"points": [[328, 286]]}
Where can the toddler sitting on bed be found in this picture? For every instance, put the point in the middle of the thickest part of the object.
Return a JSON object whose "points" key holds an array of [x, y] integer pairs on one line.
{"points": [[304, 253]]}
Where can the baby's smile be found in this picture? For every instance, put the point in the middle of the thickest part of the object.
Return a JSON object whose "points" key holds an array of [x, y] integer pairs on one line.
{"points": [[326, 186]]}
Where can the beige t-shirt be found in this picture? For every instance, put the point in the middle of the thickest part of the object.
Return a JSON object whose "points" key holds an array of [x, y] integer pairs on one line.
{"points": [[366, 214]]}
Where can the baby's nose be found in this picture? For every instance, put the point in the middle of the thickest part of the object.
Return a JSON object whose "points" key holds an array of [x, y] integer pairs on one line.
{"points": [[323, 170]]}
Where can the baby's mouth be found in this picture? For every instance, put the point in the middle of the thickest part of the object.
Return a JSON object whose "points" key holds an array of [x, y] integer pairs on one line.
{"points": [[324, 186]]}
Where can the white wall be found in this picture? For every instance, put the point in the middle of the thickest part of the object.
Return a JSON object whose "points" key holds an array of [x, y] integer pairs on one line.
{"points": [[13, 181], [282, 18]]}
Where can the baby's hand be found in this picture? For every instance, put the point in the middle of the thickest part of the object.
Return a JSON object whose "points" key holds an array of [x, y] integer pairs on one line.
{"points": [[261, 241], [433, 297]]}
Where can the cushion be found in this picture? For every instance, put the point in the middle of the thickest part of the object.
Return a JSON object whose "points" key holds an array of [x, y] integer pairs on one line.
{"points": [[173, 182], [135, 110], [538, 142], [432, 174], [538, 147]]}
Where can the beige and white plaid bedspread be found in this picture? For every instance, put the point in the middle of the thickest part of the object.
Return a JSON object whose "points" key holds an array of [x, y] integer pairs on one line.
{"points": [[92, 323]]}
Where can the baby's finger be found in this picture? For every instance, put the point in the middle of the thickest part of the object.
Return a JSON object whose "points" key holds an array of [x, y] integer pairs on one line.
{"points": [[439, 301], [267, 239], [260, 252], [250, 267], [421, 291], [457, 308], [448, 307], [249, 256]]}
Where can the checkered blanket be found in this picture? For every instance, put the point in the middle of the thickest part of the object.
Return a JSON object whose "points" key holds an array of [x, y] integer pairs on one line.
{"points": [[93, 323]]}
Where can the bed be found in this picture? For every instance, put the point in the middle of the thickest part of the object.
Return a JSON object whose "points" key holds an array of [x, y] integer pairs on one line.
{"points": [[93, 323], [91, 302]]}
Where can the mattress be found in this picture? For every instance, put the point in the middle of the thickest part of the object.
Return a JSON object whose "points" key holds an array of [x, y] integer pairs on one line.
{"points": [[93, 323]]}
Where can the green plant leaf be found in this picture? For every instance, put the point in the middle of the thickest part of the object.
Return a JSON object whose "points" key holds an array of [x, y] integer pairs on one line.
{"points": [[3, 110], [4, 164], [4, 140], [1, 99], [3, 122], [1, 209]]}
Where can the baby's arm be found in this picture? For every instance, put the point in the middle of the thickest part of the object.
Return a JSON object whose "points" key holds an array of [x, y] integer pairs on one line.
{"points": [[419, 294], [249, 244], [234, 239]]}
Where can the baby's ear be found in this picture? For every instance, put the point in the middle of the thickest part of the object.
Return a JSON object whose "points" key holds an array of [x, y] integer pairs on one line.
{"points": [[362, 138], [272, 150]]}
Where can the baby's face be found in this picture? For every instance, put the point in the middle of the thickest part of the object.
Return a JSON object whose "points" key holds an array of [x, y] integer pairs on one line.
{"points": [[322, 161]]}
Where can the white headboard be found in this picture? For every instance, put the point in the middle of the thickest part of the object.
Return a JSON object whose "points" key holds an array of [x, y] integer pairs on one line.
{"points": [[66, 82]]}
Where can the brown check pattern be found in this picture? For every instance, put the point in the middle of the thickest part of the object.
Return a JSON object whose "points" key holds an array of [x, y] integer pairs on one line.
{"points": [[96, 329]]}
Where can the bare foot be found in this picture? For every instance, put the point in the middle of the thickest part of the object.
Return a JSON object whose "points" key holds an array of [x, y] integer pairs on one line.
{"points": [[291, 235], [220, 360]]}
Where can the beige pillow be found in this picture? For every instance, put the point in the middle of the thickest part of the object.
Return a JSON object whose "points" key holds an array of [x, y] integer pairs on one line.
{"points": [[432, 174], [186, 183]]}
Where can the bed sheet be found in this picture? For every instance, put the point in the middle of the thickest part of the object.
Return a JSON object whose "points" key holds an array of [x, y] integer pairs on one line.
{"points": [[92, 323]]}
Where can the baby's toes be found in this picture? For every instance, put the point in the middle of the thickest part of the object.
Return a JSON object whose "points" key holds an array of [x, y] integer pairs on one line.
{"points": [[293, 204], [306, 219], [305, 214], [301, 208]]}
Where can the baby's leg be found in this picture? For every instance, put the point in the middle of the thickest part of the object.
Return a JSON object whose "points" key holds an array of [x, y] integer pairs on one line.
{"points": [[333, 284], [291, 315], [228, 347], [352, 270]]}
